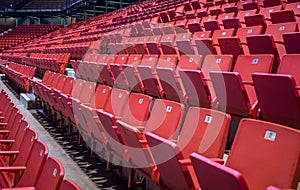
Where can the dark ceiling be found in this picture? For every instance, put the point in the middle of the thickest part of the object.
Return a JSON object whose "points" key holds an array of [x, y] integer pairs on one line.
{"points": [[74, 8]]}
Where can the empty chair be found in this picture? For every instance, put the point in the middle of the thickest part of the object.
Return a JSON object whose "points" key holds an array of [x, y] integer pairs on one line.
{"points": [[258, 151], [164, 121], [204, 131], [275, 106], [291, 41], [32, 171], [234, 90], [197, 84]]}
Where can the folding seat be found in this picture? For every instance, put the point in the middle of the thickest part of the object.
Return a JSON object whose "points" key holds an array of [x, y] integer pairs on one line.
{"points": [[117, 71], [243, 32], [17, 157], [68, 184], [282, 16], [282, 108], [197, 84], [234, 90], [277, 31], [87, 92], [231, 46], [94, 131], [152, 45], [131, 75], [167, 43], [252, 162], [113, 109], [291, 41], [242, 14], [210, 23], [28, 174], [140, 45], [184, 46], [221, 34], [200, 13], [204, 131], [180, 26], [223, 16], [67, 100], [168, 28], [266, 11], [192, 62], [295, 7], [11, 128], [106, 72], [146, 70], [164, 120], [194, 25]]}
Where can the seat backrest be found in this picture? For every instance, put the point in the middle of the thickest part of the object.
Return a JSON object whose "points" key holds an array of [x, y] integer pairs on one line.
{"points": [[34, 165], [291, 41], [51, 175], [28, 141], [23, 125], [149, 60], [204, 131], [88, 91], [275, 106], [165, 118], [137, 109], [67, 89], [216, 63], [100, 97], [167, 61], [77, 88], [190, 62], [260, 149], [116, 101], [248, 64], [289, 65], [277, 30], [68, 184], [61, 82], [248, 31], [226, 177]]}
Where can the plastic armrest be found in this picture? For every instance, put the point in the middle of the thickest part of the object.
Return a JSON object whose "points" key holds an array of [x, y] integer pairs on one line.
{"points": [[248, 83], [205, 79], [185, 162], [4, 131], [13, 169], [3, 124], [297, 87], [5, 141], [218, 160], [19, 188], [9, 153]]}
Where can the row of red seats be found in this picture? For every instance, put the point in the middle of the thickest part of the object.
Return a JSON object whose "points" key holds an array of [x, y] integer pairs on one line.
{"points": [[24, 160], [16, 57], [25, 33], [53, 62], [135, 128], [279, 39], [19, 75], [76, 51], [199, 81]]}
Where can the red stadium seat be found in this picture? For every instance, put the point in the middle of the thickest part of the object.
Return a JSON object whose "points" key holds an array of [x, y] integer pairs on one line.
{"points": [[249, 163]]}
